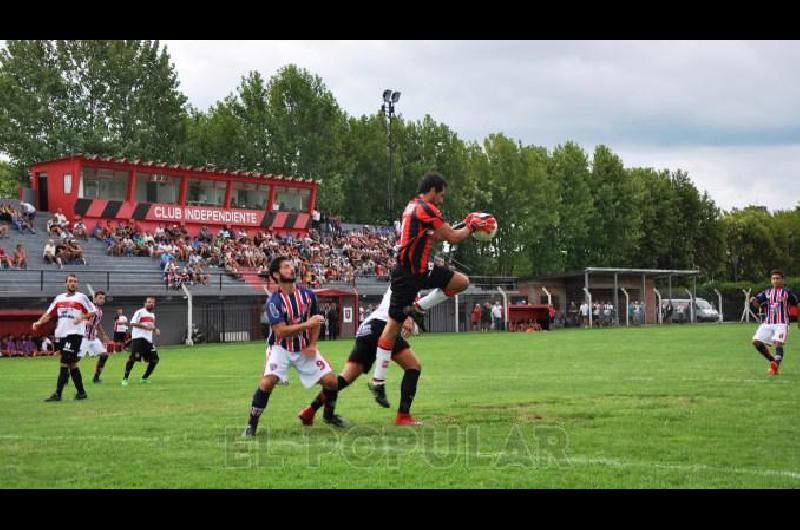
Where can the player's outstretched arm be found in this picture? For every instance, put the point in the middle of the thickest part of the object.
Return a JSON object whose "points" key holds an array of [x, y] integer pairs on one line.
{"points": [[453, 236]]}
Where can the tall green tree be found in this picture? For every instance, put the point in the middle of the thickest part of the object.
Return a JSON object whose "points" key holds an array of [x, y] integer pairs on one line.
{"points": [[119, 98], [569, 166], [615, 227]]}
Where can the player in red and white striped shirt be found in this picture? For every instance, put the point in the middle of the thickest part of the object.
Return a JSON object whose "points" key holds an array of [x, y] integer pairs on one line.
{"points": [[72, 309], [92, 344], [775, 328]]}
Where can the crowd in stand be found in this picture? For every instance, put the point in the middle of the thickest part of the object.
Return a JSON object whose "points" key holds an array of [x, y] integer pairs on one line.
{"points": [[21, 220], [327, 254]]}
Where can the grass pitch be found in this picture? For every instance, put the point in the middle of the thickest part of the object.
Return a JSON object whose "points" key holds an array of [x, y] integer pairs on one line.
{"points": [[679, 406]]}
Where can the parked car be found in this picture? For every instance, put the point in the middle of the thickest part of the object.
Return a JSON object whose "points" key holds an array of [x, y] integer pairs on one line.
{"points": [[704, 311]]}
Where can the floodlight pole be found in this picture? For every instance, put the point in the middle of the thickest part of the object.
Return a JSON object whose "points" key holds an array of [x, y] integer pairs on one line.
{"points": [[389, 99]]}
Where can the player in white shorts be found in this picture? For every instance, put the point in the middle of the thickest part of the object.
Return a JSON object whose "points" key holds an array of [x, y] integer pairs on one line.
{"points": [[775, 328], [91, 344], [295, 324]]}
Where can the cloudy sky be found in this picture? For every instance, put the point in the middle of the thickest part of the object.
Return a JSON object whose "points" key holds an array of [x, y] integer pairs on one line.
{"points": [[727, 112]]}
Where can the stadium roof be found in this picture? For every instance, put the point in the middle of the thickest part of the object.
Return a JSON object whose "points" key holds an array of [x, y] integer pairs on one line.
{"points": [[652, 273], [205, 168]]}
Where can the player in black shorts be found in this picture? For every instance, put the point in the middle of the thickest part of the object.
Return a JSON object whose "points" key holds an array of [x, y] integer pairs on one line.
{"points": [[144, 327], [71, 308], [422, 225], [363, 356]]}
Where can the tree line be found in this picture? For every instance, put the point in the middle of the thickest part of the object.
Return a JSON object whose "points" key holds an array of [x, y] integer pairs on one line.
{"points": [[557, 209]]}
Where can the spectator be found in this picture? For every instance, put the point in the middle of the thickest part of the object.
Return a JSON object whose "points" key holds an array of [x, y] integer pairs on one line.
{"points": [[497, 316], [79, 230], [20, 257], [476, 317], [9, 347], [486, 316], [27, 346], [5, 261], [60, 219], [47, 345], [5, 347], [29, 211], [76, 252], [21, 223], [333, 322], [49, 253]]}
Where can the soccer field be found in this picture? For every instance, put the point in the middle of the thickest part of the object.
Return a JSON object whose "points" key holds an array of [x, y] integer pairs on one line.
{"points": [[680, 406]]}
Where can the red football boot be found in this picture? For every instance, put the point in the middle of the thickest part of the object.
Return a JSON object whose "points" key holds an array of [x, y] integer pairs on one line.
{"points": [[307, 416], [404, 418], [773, 368]]}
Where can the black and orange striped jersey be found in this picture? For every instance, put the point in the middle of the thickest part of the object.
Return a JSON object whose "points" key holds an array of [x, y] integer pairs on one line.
{"points": [[420, 220]]}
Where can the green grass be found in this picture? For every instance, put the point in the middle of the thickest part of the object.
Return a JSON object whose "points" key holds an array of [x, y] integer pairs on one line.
{"points": [[681, 406]]}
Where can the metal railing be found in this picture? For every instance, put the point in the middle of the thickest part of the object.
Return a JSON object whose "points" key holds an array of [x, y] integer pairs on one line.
{"points": [[41, 280]]}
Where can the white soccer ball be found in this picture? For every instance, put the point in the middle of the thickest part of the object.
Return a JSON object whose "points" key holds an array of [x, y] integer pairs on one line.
{"points": [[480, 235]]}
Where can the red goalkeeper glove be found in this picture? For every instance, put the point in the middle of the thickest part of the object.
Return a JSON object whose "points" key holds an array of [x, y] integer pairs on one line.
{"points": [[483, 222]]}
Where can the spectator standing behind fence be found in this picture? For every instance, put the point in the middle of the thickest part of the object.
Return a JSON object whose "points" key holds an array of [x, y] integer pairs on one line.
{"points": [[476, 317], [497, 316], [333, 322], [585, 314], [486, 316]]}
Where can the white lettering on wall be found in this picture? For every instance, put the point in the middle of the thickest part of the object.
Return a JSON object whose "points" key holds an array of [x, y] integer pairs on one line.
{"points": [[194, 213]]}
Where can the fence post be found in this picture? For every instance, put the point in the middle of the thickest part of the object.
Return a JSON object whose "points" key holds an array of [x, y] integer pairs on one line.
{"points": [[108, 281], [41, 280], [189, 325]]}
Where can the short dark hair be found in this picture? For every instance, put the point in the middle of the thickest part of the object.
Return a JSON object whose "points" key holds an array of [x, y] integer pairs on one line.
{"points": [[99, 292], [777, 272], [71, 275], [275, 264], [432, 180]]}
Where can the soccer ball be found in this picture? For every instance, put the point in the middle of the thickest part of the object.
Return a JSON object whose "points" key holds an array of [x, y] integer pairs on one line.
{"points": [[481, 235]]}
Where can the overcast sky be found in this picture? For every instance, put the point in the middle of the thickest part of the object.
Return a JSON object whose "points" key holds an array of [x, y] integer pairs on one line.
{"points": [[727, 112]]}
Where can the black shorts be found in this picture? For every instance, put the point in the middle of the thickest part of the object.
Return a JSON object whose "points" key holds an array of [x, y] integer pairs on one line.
{"points": [[119, 336], [366, 347], [406, 286], [142, 350], [69, 346]]}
